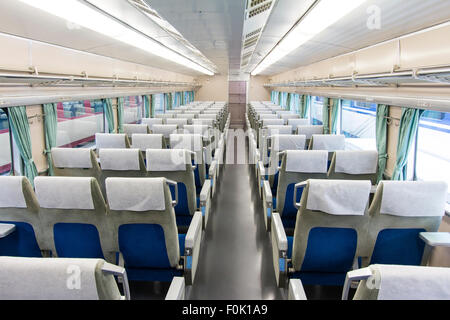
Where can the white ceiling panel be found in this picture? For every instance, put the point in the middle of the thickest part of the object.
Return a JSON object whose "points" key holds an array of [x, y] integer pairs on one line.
{"points": [[398, 18]]}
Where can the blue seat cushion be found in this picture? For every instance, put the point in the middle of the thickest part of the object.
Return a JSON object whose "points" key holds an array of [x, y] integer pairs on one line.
{"points": [[398, 246], [21, 243], [144, 251], [329, 255], [182, 213], [77, 240], [289, 210]]}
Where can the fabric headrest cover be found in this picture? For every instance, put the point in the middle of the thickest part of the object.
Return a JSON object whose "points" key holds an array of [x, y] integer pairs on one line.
{"points": [[110, 140], [64, 192], [119, 159], [136, 194], [11, 192], [414, 198], [339, 197], [79, 158]]}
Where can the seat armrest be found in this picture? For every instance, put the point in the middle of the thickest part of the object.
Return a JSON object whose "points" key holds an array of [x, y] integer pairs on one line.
{"points": [[176, 289], [296, 291], [279, 250], [355, 275], [296, 187], [6, 229], [373, 188], [121, 273], [436, 239], [205, 201], [192, 247], [267, 203], [213, 174]]}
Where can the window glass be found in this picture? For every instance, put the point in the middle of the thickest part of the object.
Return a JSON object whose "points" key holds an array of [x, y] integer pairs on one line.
{"points": [[133, 109], [5, 147], [159, 103], [317, 110], [78, 122], [433, 147]]}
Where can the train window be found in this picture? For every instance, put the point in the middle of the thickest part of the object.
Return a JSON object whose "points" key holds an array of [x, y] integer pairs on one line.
{"points": [[432, 151], [133, 109], [358, 124], [5, 147], [159, 103], [316, 110], [78, 122], [295, 102]]}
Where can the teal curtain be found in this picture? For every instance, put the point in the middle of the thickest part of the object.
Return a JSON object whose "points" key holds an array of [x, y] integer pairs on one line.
{"points": [[279, 98], [20, 128], [152, 105], [334, 115], [168, 97], [381, 135], [273, 96], [288, 101], [304, 106], [326, 117], [147, 106], [120, 114], [50, 130], [109, 116], [409, 124]]}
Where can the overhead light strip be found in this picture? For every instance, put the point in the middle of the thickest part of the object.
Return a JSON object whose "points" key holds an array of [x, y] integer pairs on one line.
{"points": [[321, 16], [85, 16]]}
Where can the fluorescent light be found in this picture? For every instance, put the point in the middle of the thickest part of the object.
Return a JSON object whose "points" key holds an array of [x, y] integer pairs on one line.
{"points": [[85, 16], [323, 15]]}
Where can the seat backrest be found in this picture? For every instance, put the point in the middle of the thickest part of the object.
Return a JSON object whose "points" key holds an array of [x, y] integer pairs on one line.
{"points": [[400, 210], [295, 122], [129, 129], [194, 143], [175, 165], [287, 116], [268, 116], [111, 140], [151, 121], [165, 115], [309, 130], [330, 228], [280, 143], [354, 165], [180, 122], [56, 279], [297, 166], [143, 218], [19, 206], [329, 142], [148, 141], [396, 282], [73, 215], [208, 122], [272, 122], [75, 162], [207, 116], [125, 163]]}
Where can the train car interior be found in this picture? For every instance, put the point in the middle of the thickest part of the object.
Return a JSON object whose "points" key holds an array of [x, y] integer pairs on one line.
{"points": [[221, 150]]}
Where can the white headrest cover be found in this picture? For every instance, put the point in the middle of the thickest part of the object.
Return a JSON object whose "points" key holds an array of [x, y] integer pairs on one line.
{"points": [[135, 128], [177, 121], [307, 161], [208, 122], [186, 115], [136, 194], [151, 121], [309, 130], [110, 140], [192, 142], [298, 122], [11, 192], [48, 279], [272, 122], [274, 129], [267, 116], [147, 141], [197, 129], [397, 282], [207, 116], [357, 162], [165, 129], [339, 197], [64, 192], [287, 116], [167, 159], [414, 198], [329, 142], [288, 142], [119, 159], [72, 157]]}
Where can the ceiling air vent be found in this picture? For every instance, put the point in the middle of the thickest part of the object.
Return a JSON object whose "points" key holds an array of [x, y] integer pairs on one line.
{"points": [[260, 9], [253, 33]]}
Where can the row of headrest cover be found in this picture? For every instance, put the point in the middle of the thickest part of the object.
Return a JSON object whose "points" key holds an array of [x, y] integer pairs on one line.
{"points": [[133, 194], [399, 198]]}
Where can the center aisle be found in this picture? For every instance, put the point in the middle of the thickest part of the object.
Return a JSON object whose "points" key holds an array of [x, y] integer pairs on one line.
{"points": [[236, 257]]}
